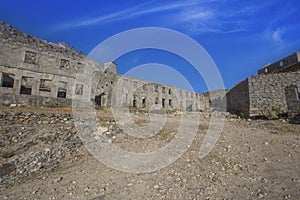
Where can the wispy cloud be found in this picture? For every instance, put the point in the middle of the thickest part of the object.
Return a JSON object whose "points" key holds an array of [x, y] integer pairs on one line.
{"points": [[209, 20], [191, 16], [195, 13], [125, 14], [277, 35], [197, 28], [159, 8]]}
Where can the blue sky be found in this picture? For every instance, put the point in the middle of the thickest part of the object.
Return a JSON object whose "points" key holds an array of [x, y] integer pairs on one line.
{"points": [[240, 36]]}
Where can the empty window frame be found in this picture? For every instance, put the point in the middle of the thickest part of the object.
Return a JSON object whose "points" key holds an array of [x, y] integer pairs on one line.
{"points": [[143, 102], [45, 85], [126, 97], [7, 80], [170, 91], [79, 89], [170, 103], [163, 103], [134, 101], [163, 89], [30, 57], [64, 64], [62, 89], [156, 101], [26, 85], [281, 63], [189, 105], [155, 87], [100, 100]]}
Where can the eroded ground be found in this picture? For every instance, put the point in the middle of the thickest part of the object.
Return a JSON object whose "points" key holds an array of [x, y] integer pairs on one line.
{"points": [[42, 157]]}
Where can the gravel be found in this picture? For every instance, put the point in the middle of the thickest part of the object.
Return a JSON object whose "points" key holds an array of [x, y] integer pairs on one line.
{"points": [[42, 157]]}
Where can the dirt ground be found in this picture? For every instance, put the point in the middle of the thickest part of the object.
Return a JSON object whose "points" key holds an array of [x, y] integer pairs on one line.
{"points": [[42, 158]]}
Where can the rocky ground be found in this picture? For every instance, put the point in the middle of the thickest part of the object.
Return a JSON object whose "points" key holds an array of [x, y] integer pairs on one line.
{"points": [[42, 157]]}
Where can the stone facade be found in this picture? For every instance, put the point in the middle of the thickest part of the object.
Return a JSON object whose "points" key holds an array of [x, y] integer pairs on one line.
{"points": [[288, 64], [37, 73], [217, 100], [238, 99], [265, 94], [32, 67], [142, 94], [292, 94]]}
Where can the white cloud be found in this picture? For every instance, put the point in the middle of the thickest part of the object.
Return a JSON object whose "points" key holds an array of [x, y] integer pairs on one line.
{"points": [[197, 14], [125, 14], [208, 20], [277, 35], [192, 15], [199, 27], [166, 7]]}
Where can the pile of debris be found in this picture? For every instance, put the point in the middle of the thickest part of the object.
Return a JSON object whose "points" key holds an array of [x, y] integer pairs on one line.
{"points": [[33, 143]]}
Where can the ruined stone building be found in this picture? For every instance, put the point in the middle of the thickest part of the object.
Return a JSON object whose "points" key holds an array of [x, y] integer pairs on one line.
{"points": [[37, 73], [274, 91]]}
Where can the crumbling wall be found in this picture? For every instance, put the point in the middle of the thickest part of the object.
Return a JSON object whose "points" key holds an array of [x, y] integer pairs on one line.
{"points": [[292, 94], [289, 63], [36, 101], [33, 67], [267, 93], [238, 99], [142, 94], [105, 83], [217, 100]]}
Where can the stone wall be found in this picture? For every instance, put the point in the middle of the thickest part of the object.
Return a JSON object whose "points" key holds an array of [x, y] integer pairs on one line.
{"points": [[144, 94], [292, 94], [263, 95], [238, 99], [31, 100], [282, 65], [32, 69], [267, 92], [292, 68], [217, 100]]}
